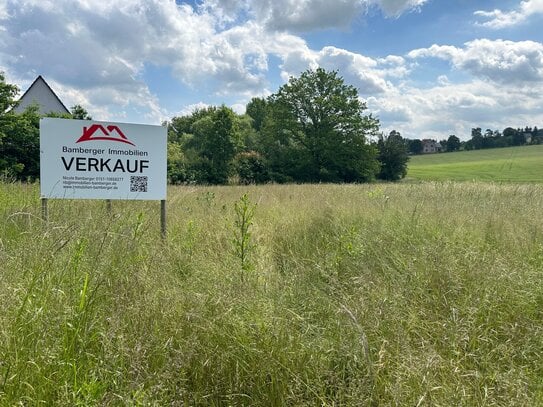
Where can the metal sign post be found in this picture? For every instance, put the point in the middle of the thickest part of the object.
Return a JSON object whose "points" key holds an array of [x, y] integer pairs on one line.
{"points": [[163, 218], [44, 211]]}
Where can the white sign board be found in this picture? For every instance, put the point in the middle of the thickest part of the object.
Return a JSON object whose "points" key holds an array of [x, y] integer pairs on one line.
{"points": [[83, 159]]}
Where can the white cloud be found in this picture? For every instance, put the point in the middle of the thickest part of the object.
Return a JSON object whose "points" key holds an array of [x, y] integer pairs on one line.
{"points": [[443, 80], [447, 108], [305, 15], [226, 11], [189, 109], [356, 69], [95, 53], [239, 108], [505, 90], [369, 75], [96, 45], [389, 111], [504, 62], [394, 8], [3, 10], [498, 19], [105, 45]]}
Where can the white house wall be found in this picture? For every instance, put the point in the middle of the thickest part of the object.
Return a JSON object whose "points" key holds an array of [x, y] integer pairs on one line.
{"points": [[41, 94]]}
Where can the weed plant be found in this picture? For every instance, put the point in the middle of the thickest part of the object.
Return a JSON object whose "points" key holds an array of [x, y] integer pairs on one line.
{"points": [[413, 294]]}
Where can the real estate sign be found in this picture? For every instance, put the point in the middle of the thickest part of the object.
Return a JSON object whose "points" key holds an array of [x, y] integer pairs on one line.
{"points": [[82, 159]]}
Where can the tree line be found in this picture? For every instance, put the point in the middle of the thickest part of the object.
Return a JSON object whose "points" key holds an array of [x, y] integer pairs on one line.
{"points": [[509, 137], [313, 129]]}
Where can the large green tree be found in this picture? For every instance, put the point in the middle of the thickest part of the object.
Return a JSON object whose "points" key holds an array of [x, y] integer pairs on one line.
{"points": [[393, 156], [453, 143], [19, 137], [7, 95], [221, 143], [476, 138], [415, 146], [204, 144], [20, 144], [256, 110], [316, 130]]}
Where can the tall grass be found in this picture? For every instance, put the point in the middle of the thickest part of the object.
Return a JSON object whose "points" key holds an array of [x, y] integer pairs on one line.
{"points": [[427, 294]]}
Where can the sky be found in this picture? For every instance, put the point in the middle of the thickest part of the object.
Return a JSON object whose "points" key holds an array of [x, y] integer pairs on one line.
{"points": [[426, 68]]}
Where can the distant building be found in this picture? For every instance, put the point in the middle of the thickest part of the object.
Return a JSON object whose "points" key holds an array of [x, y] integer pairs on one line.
{"points": [[527, 137], [431, 146], [41, 94]]}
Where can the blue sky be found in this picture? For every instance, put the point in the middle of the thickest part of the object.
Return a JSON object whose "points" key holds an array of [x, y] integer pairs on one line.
{"points": [[427, 68]]}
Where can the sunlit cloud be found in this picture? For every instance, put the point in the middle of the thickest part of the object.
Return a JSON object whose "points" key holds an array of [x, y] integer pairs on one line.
{"points": [[498, 19]]}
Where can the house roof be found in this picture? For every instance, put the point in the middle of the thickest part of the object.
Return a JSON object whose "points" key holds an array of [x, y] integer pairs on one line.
{"points": [[41, 93]]}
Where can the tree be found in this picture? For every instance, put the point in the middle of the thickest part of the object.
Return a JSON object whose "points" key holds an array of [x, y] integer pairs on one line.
{"points": [[536, 137], [518, 139], [209, 139], [256, 110], [415, 146], [176, 167], [315, 130], [221, 145], [248, 136], [80, 113], [251, 168], [280, 146], [392, 156], [19, 137], [509, 132], [20, 144], [7, 95], [453, 143], [476, 138]]}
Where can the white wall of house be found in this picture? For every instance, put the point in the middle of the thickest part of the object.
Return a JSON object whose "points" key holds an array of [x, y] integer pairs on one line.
{"points": [[41, 94]]}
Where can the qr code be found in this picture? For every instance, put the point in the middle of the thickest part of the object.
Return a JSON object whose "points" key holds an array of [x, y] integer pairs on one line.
{"points": [[138, 184]]}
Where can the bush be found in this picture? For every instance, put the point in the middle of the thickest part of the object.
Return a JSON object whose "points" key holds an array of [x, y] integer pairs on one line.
{"points": [[251, 168]]}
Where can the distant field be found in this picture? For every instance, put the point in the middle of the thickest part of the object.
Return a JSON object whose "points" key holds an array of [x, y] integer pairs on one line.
{"points": [[513, 164]]}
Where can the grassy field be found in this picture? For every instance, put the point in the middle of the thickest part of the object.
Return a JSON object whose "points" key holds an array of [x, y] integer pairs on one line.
{"points": [[513, 164], [422, 294]]}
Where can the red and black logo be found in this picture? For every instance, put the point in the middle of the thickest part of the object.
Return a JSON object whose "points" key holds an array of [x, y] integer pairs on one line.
{"points": [[100, 132]]}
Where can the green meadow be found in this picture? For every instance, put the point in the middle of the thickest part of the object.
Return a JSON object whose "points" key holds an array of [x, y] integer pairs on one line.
{"points": [[512, 164], [415, 294]]}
